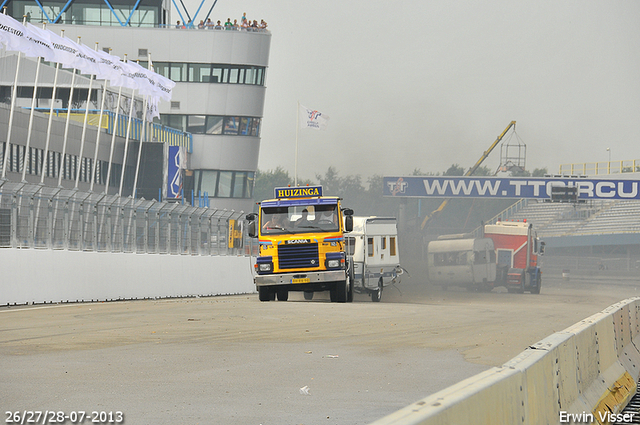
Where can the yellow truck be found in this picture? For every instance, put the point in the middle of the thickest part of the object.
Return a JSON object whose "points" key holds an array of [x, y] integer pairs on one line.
{"points": [[302, 246]]}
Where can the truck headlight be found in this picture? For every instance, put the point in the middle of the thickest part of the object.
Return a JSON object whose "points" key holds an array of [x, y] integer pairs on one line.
{"points": [[333, 264], [264, 267]]}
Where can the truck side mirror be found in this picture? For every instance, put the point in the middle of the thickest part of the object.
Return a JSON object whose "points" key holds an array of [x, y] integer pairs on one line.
{"points": [[542, 244], [348, 223], [251, 228]]}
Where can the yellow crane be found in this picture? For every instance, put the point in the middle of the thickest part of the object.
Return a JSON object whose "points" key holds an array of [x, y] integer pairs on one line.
{"points": [[472, 170]]}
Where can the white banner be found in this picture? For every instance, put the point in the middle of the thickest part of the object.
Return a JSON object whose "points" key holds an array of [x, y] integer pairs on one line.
{"points": [[164, 85], [152, 108], [17, 37], [41, 44], [310, 118], [87, 60], [38, 42], [109, 65], [65, 50]]}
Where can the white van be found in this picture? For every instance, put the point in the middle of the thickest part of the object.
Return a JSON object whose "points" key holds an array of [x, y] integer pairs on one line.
{"points": [[373, 244]]}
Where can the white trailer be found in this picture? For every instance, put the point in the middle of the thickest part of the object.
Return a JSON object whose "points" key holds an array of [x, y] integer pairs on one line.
{"points": [[462, 261], [373, 244]]}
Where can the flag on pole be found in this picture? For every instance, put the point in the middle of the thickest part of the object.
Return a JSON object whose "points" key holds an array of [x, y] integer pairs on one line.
{"points": [[16, 37], [310, 118]]}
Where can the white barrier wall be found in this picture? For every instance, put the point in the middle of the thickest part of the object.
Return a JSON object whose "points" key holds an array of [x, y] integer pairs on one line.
{"points": [[580, 375], [39, 276]]}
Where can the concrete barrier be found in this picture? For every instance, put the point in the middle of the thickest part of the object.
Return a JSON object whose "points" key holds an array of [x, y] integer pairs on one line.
{"points": [[583, 374], [44, 276]]}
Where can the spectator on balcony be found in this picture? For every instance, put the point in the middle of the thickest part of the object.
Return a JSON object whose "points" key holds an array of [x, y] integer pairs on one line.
{"points": [[209, 24], [228, 25]]}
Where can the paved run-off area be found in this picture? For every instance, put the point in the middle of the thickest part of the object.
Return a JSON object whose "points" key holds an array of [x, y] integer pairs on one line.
{"points": [[234, 360]]}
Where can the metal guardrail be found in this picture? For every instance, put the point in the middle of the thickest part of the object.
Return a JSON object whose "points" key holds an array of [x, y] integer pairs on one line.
{"points": [[598, 168], [157, 132], [35, 216]]}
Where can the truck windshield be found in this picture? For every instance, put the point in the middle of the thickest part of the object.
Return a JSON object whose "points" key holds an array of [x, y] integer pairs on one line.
{"points": [[299, 219]]}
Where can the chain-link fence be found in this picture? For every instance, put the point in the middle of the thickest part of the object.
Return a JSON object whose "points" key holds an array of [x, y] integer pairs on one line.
{"points": [[35, 216]]}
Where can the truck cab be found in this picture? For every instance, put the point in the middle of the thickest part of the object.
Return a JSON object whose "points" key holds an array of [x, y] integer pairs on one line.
{"points": [[302, 245], [517, 249]]}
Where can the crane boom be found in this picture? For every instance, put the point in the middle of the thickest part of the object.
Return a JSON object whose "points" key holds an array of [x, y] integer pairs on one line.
{"points": [[471, 170]]}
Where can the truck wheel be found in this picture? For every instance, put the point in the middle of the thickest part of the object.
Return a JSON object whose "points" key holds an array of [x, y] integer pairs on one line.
{"points": [[266, 294], [340, 292], [308, 295], [283, 294], [376, 295], [536, 290]]}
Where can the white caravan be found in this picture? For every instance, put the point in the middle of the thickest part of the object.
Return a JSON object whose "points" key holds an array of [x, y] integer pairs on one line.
{"points": [[373, 244], [462, 261]]}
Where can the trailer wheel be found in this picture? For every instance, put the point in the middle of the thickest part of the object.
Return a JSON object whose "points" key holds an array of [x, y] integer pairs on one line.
{"points": [[283, 294], [265, 293], [376, 295], [352, 278], [308, 295]]}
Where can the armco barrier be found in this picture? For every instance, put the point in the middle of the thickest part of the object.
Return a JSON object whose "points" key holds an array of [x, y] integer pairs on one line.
{"points": [[582, 374]]}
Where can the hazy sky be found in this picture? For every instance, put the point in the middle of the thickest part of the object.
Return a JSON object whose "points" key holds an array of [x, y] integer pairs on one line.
{"points": [[425, 84]]}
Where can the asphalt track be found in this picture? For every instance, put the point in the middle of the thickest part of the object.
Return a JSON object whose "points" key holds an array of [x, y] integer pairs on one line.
{"points": [[235, 360]]}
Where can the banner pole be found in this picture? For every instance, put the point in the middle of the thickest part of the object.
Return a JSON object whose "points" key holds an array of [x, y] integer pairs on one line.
{"points": [[295, 175], [45, 154], [94, 171], [66, 128], [14, 94], [84, 128], [113, 137], [126, 141], [27, 155], [144, 130]]}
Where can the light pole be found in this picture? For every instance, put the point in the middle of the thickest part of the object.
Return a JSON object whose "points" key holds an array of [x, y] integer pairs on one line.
{"points": [[609, 150]]}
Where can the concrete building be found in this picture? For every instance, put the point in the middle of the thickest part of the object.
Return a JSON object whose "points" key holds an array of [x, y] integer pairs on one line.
{"points": [[220, 75]]}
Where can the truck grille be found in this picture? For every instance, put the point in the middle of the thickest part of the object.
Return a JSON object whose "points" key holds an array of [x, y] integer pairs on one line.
{"points": [[298, 256]]}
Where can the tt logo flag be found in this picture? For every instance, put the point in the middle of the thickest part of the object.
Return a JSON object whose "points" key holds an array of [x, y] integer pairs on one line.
{"points": [[310, 118]]}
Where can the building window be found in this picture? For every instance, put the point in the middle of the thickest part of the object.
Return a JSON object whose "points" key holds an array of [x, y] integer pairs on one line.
{"points": [[196, 124], [209, 73], [224, 184], [231, 125], [213, 124], [179, 72], [200, 73]]}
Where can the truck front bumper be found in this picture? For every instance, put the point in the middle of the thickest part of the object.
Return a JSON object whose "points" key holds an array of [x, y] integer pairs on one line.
{"points": [[300, 278]]}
